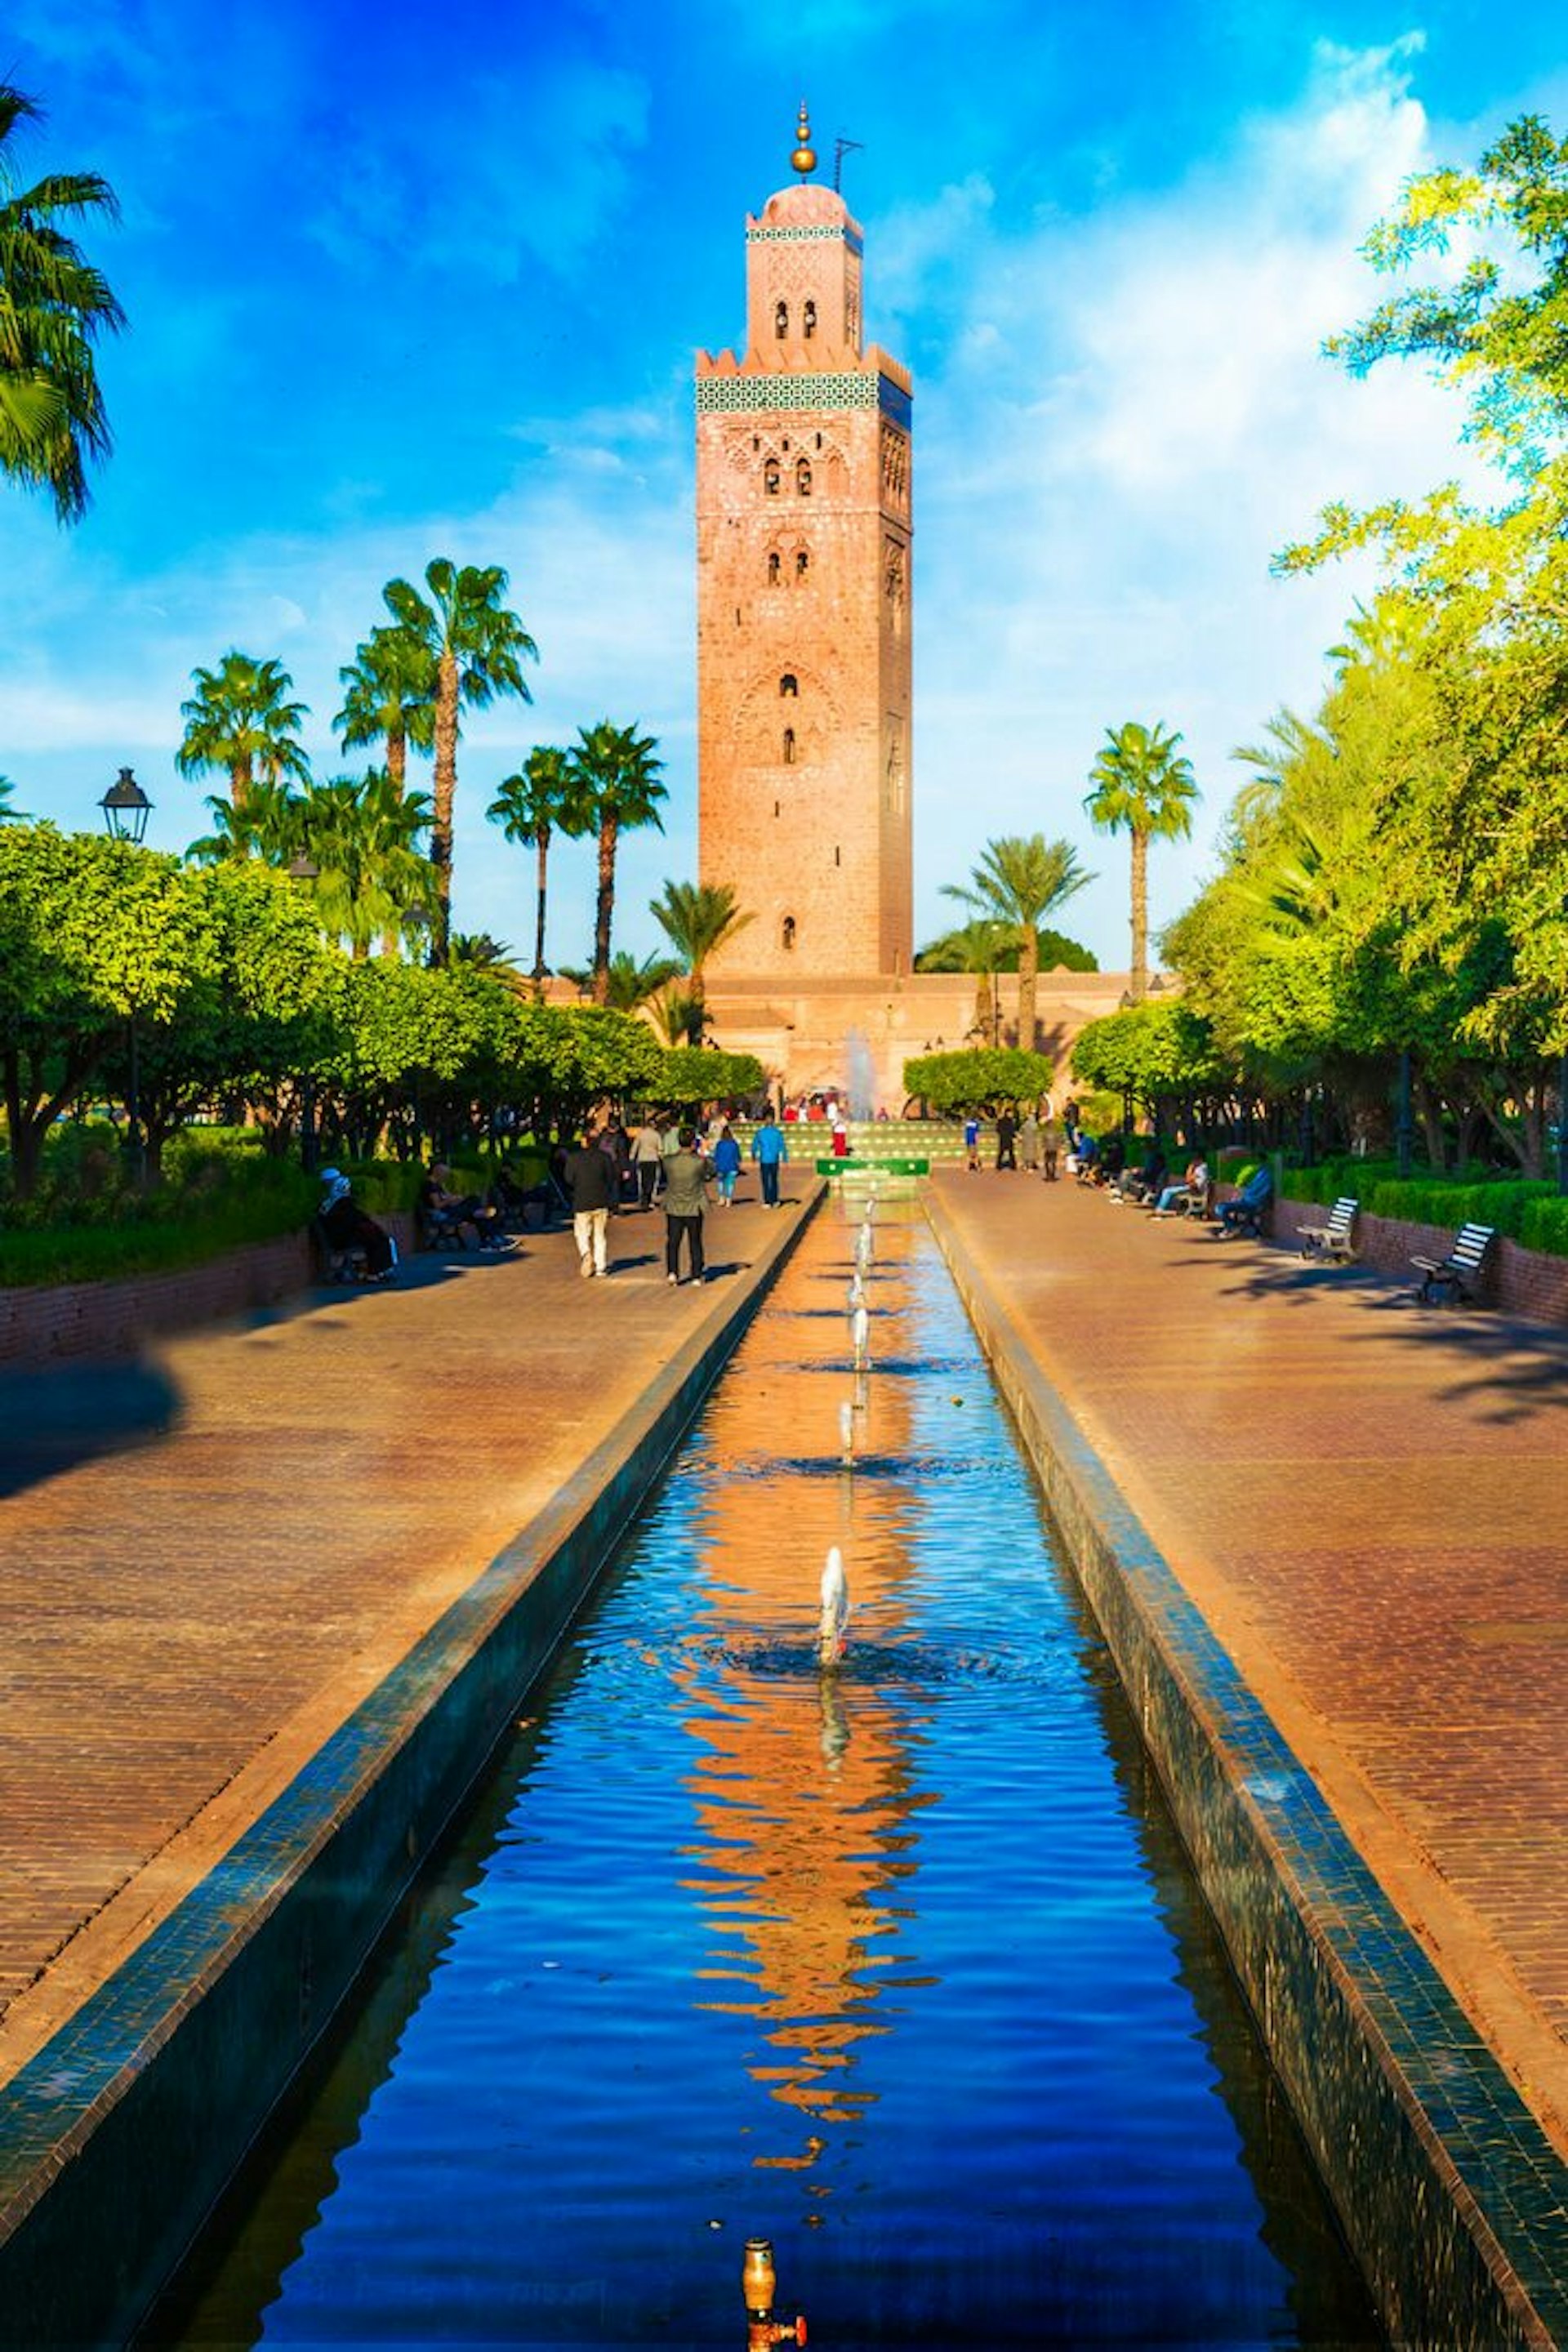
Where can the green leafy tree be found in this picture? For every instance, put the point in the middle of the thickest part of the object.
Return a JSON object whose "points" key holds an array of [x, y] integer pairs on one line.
{"points": [[239, 720], [701, 1074], [617, 771], [9, 815], [94, 933], [698, 918], [1144, 788], [1155, 1056], [54, 308], [977, 1078], [1020, 880], [530, 807], [478, 646], [389, 698]]}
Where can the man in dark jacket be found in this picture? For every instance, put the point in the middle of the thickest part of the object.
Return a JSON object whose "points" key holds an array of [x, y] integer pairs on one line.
{"points": [[687, 1176], [591, 1182]]}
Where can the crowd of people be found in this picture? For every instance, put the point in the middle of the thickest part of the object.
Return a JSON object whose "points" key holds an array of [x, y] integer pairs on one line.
{"points": [[684, 1166]]}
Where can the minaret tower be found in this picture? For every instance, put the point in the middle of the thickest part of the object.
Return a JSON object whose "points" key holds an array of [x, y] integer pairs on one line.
{"points": [[803, 608]]}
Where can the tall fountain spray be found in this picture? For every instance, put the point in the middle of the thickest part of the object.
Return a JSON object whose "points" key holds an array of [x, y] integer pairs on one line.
{"points": [[861, 1330], [834, 1614]]}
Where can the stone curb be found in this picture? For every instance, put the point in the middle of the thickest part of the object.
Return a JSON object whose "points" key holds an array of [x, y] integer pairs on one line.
{"points": [[117, 2137], [1453, 2200]]}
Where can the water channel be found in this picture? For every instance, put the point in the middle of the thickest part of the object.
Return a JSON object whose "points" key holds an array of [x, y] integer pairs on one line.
{"points": [[898, 1964]]}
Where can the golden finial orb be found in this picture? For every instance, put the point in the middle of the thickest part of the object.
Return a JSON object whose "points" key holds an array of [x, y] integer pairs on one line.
{"points": [[804, 156]]}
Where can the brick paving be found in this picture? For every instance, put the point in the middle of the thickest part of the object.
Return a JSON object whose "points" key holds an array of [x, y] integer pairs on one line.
{"points": [[1366, 1499], [209, 1556]]}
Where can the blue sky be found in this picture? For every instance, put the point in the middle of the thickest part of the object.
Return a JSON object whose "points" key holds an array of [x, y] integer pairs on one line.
{"points": [[405, 282]]}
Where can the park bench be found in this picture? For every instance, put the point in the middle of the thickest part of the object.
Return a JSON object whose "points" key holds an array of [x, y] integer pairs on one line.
{"points": [[1460, 1271], [1336, 1239]]}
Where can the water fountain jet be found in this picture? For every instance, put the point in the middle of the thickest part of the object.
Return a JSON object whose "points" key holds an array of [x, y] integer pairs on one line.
{"points": [[835, 1614]]}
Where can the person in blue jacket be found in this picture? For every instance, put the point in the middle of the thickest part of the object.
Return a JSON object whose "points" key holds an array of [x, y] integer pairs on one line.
{"points": [[726, 1157], [770, 1150]]}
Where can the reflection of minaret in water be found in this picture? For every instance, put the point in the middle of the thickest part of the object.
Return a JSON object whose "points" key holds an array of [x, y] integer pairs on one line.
{"points": [[802, 1792]]}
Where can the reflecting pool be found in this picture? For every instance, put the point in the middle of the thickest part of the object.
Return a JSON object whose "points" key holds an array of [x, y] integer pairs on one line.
{"points": [[896, 1963]]}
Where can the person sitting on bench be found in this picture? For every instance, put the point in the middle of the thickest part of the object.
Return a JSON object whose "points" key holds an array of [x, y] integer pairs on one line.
{"points": [[1245, 1213], [1193, 1187], [443, 1214], [346, 1228]]}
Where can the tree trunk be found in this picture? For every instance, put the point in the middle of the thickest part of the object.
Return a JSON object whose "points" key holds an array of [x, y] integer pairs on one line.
{"points": [[541, 840], [445, 795], [397, 758], [239, 782], [1028, 970], [1139, 982], [605, 909]]}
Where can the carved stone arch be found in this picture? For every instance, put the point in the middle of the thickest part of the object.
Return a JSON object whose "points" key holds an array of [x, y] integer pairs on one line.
{"points": [[760, 714]]}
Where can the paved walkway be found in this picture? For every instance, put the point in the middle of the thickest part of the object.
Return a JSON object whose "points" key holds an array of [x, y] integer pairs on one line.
{"points": [[208, 1558], [1366, 1499]]}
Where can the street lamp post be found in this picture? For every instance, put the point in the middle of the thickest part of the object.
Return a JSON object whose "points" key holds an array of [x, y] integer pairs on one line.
{"points": [[302, 868], [126, 809]]}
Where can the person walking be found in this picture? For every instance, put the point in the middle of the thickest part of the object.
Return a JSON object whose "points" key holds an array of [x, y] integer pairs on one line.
{"points": [[971, 1141], [1029, 1141], [1007, 1135], [647, 1150], [592, 1184], [770, 1149], [726, 1165], [687, 1176]]}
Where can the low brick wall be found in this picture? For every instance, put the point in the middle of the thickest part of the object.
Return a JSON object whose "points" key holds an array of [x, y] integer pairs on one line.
{"points": [[1527, 1283], [114, 1318]]}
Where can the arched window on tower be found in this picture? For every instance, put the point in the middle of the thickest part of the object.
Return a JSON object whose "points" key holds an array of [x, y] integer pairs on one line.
{"points": [[802, 564], [786, 934], [789, 684], [809, 324], [803, 476], [780, 319], [789, 747], [770, 477], [772, 567]]}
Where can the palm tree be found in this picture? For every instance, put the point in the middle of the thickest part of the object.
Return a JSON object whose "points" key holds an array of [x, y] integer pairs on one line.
{"points": [[390, 697], [617, 771], [698, 918], [478, 648], [54, 306], [362, 834], [981, 947], [544, 799], [9, 815], [631, 983], [478, 951], [1019, 881], [237, 720], [1141, 785], [265, 824], [677, 1016]]}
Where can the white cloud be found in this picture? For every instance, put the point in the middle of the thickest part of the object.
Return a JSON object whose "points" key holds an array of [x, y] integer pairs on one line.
{"points": [[1133, 418]]}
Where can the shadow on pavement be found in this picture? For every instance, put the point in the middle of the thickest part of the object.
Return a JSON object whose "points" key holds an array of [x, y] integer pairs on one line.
{"points": [[54, 1417], [1508, 1367]]}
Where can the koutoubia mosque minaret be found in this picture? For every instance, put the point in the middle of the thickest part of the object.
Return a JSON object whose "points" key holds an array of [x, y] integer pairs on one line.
{"points": [[803, 609]]}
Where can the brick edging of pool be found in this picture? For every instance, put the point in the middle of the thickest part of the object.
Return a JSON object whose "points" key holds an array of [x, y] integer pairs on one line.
{"points": [[1450, 2193], [116, 2138]]}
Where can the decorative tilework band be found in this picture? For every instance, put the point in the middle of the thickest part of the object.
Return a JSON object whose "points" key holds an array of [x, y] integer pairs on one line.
{"points": [[751, 396], [805, 237]]}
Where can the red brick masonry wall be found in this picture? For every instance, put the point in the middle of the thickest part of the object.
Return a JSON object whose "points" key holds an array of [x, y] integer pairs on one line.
{"points": [[113, 1318], [1518, 1281]]}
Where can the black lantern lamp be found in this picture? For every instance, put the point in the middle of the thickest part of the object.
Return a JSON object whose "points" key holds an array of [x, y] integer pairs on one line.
{"points": [[126, 808]]}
